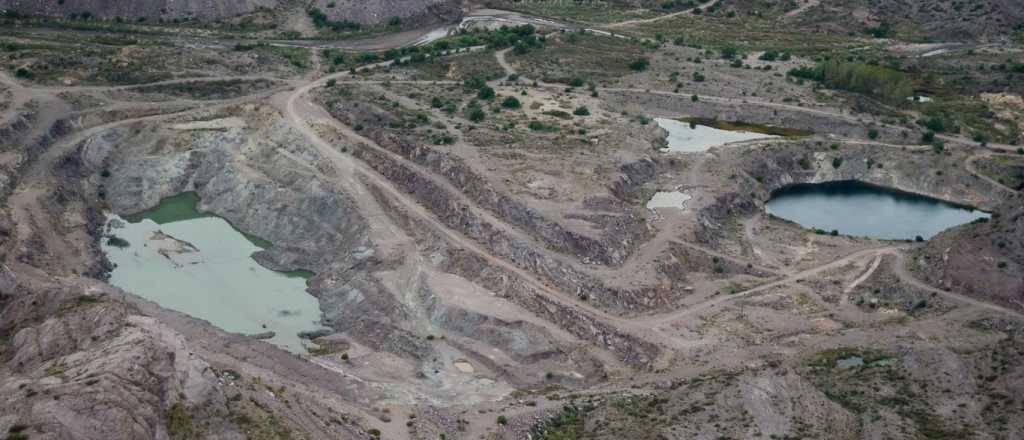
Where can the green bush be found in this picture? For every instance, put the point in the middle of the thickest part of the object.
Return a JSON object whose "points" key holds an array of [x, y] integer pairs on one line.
{"points": [[581, 111], [873, 133], [486, 93], [475, 114], [511, 102], [640, 64], [502, 420]]}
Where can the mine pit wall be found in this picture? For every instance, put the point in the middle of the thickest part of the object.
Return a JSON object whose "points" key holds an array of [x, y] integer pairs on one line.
{"points": [[634, 176], [460, 217], [474, 268], [311, 227], [672, 106], [618, 242]]}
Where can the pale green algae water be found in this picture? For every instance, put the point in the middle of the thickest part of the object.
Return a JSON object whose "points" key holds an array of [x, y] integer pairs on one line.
{"points": [[686, 138], [199, 264]]}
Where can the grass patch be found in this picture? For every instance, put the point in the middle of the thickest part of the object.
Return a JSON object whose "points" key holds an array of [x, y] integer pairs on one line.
{"points": [[580, 57], [179, 423]]}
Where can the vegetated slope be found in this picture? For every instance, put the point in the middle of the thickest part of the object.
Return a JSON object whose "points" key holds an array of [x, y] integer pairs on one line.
{"points": [[983, 259], [202, 10], [937, 20]]}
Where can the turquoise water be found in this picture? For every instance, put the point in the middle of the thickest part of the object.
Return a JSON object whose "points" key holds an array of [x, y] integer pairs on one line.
{"points": [[200, 265], [859, 209]]}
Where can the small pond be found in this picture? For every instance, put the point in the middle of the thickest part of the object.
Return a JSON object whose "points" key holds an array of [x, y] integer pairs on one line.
{"points": [[863, 210], [668, 199], [198, 264], [689, 137]]}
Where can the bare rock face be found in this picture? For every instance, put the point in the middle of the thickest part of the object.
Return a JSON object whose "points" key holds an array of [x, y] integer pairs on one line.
{"points": [[81, 365]]}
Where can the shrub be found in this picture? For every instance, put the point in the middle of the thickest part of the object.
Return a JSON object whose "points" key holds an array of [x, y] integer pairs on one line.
{"points": [[873, 133], [436, 102], [935, 124], [576, 82], [769, 55], [640, 64], [485, 93], [837, 162], [928, 137], [698, 77], [331, 82], [694, 98], [581, 111], [502, 420], [475, 114], [729, 53], [511, 102], [804, 163], [536, 126], [23, 73], [443, 139]]}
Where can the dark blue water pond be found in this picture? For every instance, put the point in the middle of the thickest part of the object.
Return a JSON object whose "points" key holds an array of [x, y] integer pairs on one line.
{"points": [[863, 210]]}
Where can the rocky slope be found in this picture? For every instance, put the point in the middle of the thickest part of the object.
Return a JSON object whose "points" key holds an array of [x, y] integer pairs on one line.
{"points": [[201, 10], [984, 259], [362, 12]]}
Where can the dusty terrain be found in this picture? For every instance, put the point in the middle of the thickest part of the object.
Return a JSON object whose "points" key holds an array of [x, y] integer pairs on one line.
{"points": [[470, 201]]}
